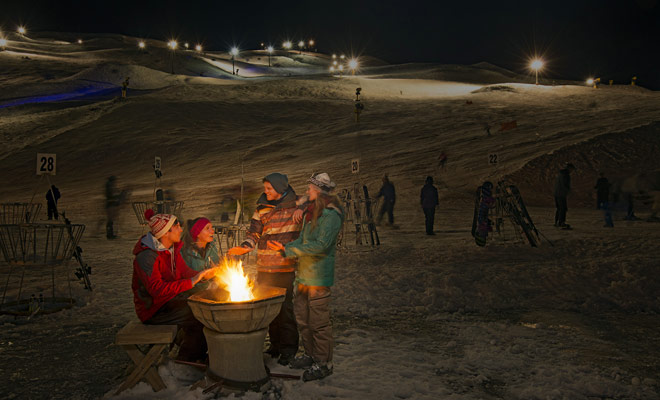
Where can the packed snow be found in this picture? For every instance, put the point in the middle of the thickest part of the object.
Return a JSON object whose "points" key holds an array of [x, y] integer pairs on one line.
{"points": [[417, 317]]}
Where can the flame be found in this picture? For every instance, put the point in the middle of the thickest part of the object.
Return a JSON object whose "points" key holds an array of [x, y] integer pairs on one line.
{"points": [[236, 282]]}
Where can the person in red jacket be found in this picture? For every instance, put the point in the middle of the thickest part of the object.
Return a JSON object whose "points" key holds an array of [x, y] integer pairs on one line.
{"points": [[161, 279]]}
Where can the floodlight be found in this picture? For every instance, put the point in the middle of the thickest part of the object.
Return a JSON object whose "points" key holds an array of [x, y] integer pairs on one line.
{"points": [[590, 81], [270, 49], [234, 51], [186, 44], [79, 41], [342, 56], [334, 62], [353, 63], [536, 64], [287, 44], [22, 30], [332, 68], [172, 44], [198, 47], [311, 42], [301, 44], [141, 45], [334, 56]]}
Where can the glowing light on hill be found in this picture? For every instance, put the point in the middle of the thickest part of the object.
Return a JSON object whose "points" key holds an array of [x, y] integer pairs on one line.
{"points": [[270, 49], [234, 51], [334, 56], [311, 42], [186, 45], [353, 64], [536, 64], [141, 45], [172, 44], [3, 42], [332, 68], [334, 62], [21, 30], [341, 67], [287, 45], [79, 41], [590, 81], [301, 44], [198, 47], [342, 56]]}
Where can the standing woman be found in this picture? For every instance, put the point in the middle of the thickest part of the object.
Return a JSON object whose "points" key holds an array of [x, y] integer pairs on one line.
{"points": [[315, 249], [199, 250]]}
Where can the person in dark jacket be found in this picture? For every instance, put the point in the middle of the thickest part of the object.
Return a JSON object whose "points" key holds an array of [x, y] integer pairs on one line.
{"points": [[429, 201], [389, 198], [161, 279], [562, 189], [602, 192], [51, 199]]}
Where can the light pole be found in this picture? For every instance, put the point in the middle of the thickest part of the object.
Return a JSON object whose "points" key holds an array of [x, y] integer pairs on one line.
{"points": [[234, 53], [270, 52], [172, 45], [536, 65], [301, 44]]}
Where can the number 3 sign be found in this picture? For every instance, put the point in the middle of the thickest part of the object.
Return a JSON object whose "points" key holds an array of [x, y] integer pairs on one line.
{"points": [[46, 163]]}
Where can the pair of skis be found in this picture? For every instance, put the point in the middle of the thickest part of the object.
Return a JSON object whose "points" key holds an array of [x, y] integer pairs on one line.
{"points": [[371, 226]]}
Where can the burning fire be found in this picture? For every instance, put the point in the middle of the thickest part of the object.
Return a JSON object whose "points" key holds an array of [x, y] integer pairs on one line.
{"points": [[235, 280]]}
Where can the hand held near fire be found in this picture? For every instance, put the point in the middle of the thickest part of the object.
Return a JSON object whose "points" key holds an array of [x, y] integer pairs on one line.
{"points": [[238, 251], [205, 275], [275, 245]]}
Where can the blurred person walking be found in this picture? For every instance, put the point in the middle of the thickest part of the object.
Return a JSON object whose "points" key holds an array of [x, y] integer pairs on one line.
{"points": [[429, 201], [602, 191], [388, 194], [315, 250]]}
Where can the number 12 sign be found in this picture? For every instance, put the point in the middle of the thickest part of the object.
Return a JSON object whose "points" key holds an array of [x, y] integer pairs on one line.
{"points": [[46, 163]]}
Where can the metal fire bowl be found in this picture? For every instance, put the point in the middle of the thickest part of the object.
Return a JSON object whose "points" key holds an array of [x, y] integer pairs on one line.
{"points": [[214, 310]]}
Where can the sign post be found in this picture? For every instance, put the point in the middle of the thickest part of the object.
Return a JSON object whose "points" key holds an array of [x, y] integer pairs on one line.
{"points": [[46, 163]]}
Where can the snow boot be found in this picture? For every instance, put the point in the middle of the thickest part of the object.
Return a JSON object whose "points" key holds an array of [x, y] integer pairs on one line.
{"points": [[301, 362], [317, 371]]}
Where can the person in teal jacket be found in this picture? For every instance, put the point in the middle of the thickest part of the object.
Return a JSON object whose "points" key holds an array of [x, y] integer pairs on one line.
{"points": [[315, 250], [199, 250]]}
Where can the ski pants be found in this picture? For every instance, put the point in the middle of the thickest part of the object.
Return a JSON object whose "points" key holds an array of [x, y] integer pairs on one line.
{"points": [[387, 207], [283, 331], [562, 207], [312, 306], [178, 312], [429, 214]]}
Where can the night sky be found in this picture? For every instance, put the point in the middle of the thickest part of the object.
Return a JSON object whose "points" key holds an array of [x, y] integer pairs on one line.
{"points": [[613, 39]]}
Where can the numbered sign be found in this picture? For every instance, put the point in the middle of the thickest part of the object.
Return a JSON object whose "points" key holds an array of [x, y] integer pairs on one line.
{"points": [[157, 164], [492, 159], [46, 163], [355, 166]]}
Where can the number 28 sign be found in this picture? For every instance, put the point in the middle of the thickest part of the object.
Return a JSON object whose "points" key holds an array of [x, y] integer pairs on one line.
{"points": [[46, 163]]}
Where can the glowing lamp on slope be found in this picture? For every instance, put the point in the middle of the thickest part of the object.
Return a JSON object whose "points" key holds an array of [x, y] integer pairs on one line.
{"points": [[353, 64], [21, 30], [172, 44], [234, 51], [332, 68], [311, 43], [270, 49], [590, 81], [287, 45], [186, 45], [79, 41], [141, 45], [536, 65], [198, 47]]}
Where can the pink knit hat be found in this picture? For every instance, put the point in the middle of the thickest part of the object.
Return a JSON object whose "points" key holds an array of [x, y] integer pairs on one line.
{"points": [[159, 224], [198, 226]]}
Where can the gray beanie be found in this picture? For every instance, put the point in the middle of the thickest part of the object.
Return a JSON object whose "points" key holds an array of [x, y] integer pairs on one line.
{"points": [[279, 182]]}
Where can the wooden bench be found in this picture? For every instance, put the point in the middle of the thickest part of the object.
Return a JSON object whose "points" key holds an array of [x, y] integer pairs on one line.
{"points": [[158, 338]]}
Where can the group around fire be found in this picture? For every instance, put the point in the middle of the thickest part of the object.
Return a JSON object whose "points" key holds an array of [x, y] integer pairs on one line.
{"points": [[295, 238]]}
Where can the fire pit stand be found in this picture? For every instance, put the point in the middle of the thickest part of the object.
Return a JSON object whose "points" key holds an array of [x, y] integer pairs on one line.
{"points": [[235, 333]]}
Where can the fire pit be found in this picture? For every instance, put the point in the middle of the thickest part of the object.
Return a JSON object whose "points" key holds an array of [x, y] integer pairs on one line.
{"points": [[235, 332]]}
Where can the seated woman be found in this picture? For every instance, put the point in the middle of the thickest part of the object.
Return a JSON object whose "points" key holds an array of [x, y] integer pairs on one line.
{"points": [[199, 250]]}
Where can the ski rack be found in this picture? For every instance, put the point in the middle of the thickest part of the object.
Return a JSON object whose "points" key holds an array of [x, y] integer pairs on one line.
{"points": [[159, 207], [510, 206], [18, 213], [358, 209]]}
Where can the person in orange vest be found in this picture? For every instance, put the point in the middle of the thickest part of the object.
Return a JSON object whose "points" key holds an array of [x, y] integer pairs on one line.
{"points": [[124, 88]]}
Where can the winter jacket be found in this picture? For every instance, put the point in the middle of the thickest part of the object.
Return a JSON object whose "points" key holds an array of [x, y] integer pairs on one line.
{"points": [[159, 274], [563, 183], [195, 261], [273, 220], [387, 191], [429, 196], [49, 195], [315, 249]]}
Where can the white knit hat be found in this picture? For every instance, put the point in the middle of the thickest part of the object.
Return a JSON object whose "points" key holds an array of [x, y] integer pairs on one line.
{"points": [[159, 224], [323, 182]]}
